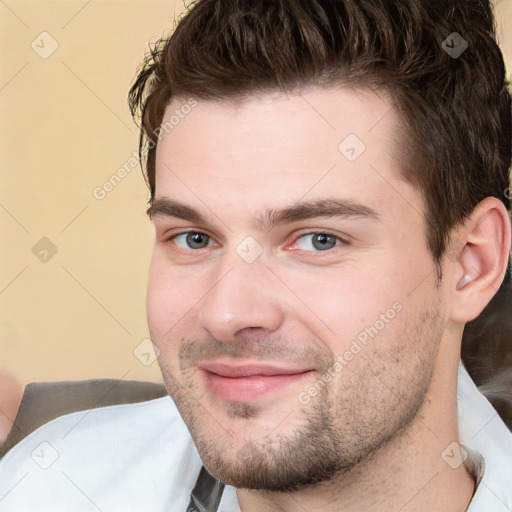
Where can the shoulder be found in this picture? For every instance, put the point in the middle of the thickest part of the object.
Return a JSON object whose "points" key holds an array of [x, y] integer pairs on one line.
{"points": [[482, 430], [124, 457]]}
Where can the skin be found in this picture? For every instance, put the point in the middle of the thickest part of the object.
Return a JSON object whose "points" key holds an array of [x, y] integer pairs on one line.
{"points": [[371, 437], [10, 399]]}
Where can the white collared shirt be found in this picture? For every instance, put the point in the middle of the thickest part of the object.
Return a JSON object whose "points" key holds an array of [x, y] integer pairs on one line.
{"points": [[141, 458]]}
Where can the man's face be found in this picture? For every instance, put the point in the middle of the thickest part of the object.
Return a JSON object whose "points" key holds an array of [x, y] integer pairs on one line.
{"points": [[291, 294]]}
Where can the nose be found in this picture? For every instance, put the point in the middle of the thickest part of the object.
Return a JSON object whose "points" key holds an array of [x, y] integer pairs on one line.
{"points": [[242, 299]]}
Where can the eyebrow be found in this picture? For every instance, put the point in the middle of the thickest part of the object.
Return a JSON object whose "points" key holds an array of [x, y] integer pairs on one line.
{"points": [[170, 208], [303, 210]]}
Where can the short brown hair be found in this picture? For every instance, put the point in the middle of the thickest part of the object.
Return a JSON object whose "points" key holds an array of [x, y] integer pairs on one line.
{"points": [[455, 110]]}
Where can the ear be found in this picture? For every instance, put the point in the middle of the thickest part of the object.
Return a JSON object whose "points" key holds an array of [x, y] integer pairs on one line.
{"points": [[482, 259]]}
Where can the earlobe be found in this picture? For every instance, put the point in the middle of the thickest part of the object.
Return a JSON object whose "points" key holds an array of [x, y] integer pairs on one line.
{"points": [[483, 260]]}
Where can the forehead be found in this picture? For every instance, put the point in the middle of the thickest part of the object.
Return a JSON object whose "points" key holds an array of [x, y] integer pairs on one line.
{"points": [[280, 148], [321, 113]]}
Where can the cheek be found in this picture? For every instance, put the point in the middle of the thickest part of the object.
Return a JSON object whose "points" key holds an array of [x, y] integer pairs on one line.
{"points": [[173, 296], [157, 301], [166, 303], [163, 306], [346, 302]]}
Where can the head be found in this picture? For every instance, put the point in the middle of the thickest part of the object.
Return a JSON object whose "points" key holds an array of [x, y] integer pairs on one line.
{"points": [[311, 166]]}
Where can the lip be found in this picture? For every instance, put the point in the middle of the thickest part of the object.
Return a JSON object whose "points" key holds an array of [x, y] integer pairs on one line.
{"points": [[248, 382]]}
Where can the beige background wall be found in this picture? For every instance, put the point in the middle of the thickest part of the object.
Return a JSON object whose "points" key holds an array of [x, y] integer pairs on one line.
{"points": [[73, 267]]}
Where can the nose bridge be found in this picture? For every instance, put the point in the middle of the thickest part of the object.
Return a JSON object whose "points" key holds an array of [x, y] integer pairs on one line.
{"points": [[240, 298]]}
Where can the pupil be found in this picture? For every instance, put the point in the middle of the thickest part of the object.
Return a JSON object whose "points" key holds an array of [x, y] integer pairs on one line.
{"points": [[323, 241], [197, 240]]}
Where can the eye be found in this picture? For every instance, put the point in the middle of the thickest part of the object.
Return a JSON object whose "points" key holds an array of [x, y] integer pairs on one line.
{"points": [[317, 242], [192, 240]]}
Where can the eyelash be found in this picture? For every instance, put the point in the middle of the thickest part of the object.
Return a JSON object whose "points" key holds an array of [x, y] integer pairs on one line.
{"points": [[173, 237], [339, 240]]}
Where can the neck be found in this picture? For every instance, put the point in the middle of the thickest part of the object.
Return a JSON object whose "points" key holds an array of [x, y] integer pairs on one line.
{"points": [[407, 474]]}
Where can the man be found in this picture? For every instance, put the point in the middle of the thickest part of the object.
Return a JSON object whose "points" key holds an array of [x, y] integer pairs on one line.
{"points": [[329, 187]]}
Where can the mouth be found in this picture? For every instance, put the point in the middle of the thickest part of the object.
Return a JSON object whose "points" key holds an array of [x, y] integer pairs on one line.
{"points": [[248, 382]]}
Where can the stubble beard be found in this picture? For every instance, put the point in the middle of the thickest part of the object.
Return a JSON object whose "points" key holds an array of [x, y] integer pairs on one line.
{"points": [[330, 437]]}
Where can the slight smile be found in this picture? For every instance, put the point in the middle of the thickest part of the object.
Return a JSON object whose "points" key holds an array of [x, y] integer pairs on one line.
{"points": [[248, 382]]}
